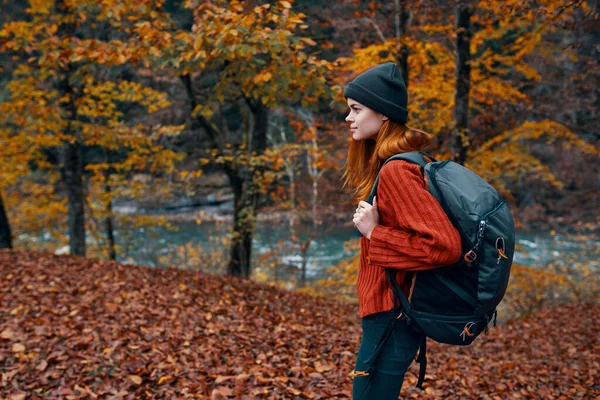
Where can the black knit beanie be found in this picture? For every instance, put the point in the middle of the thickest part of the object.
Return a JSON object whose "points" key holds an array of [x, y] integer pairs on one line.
{"points": [[382, 89]]}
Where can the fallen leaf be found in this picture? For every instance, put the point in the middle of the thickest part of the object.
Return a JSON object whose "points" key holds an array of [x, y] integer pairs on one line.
{"points": [[294, 391], [221, 393], [221, 379], [242, 377], [135, 379], [320, 367], [7, 334], [42, 366], [18, 348]]}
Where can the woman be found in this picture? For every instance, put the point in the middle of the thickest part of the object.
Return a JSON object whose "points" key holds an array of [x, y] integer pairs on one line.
{"points": [[405, 228]]}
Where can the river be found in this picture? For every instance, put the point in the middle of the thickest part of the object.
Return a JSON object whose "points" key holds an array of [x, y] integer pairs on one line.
{"points": [[533, 249]]}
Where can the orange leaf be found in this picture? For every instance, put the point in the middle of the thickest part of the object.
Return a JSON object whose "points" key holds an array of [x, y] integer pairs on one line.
{"points": [[18, 348], [221, 379], [320, 367], [42, 366], [7, 334]]}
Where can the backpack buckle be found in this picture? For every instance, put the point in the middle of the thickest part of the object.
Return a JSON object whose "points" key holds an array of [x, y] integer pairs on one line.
{"points": [[470, 256]]}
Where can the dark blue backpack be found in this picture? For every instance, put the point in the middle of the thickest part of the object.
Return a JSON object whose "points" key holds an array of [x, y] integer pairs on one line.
{"points": [[454, 304]]}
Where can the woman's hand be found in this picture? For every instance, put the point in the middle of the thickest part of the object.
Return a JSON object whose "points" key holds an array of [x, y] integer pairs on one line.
{"points": [[366, 217]]}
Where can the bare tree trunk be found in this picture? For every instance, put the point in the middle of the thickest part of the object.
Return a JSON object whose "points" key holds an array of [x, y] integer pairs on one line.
{"points": [[5, 232], [73, 177], [315, 175], [462, 16], [108, 222], [73, 161], [401, 30], [304, 256], [289, 168], [313, 171], [241, 242], [246, 195], [312, 161]]}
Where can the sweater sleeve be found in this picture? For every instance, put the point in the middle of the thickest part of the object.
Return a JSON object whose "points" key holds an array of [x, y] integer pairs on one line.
{"points": [[418, 234]]}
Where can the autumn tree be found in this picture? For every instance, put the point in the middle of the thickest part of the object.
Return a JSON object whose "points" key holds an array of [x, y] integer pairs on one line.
{"points": [[236, 63], [67, 96], [507, 36], [28, 195]]}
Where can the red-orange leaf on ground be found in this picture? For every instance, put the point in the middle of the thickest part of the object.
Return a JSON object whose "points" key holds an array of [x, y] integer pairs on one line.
{"points": [[18, 348], [135, 379], [260, 342]]}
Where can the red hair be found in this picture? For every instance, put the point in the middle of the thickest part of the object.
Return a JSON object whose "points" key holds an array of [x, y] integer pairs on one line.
{"points": [[366, 157]]}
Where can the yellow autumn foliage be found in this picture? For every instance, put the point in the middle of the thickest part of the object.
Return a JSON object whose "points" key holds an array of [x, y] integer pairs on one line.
{"points": [[36, 123]]}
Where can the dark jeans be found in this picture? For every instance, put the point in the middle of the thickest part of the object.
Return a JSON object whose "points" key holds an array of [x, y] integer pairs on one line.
{"points": [[387, 373]]}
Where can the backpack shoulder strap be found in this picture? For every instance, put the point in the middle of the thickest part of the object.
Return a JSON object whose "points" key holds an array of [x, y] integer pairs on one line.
{"points": [[422, 361], [414, 157]]}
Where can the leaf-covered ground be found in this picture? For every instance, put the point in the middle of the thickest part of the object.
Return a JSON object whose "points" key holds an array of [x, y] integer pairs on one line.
{"points": [[73, 328]]}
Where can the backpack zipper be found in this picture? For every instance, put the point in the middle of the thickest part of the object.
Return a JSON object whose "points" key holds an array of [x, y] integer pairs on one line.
{"points": [[473, 253], [480, 233]]}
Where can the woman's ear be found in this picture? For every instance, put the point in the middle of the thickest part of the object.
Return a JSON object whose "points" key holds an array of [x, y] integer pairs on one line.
{"points": [[384, 118]]}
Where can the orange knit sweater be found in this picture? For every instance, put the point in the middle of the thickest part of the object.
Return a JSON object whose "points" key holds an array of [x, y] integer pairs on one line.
{"points": [[413, 234]]}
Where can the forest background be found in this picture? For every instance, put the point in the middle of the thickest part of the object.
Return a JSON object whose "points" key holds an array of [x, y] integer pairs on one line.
{"points": [[132, 117]]}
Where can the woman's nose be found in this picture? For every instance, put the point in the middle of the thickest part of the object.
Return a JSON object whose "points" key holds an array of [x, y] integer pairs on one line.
{"points": [[349, 119]]}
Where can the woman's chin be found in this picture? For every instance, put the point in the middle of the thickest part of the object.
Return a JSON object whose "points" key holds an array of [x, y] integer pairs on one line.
{"points": [[358, 137]]}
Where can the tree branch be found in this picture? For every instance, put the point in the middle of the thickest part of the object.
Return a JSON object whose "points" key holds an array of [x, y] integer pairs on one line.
{"points": [[212, 132], [379, 32]]}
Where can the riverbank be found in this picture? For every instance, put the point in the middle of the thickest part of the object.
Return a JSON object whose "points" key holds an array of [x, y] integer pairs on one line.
{"points": [[219, 208]]}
